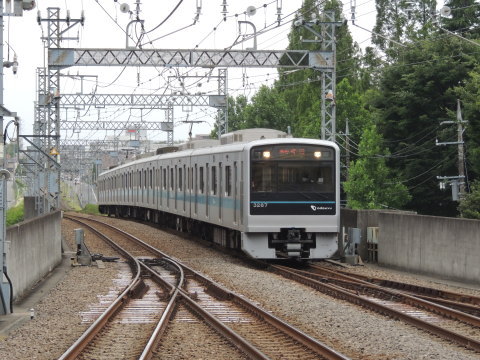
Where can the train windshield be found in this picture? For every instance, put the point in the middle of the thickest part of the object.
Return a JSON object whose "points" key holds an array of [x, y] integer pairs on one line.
{"points": [[292, 180]]}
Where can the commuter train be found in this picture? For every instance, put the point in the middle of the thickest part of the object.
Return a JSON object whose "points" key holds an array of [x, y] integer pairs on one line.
{"points": [[258, 190]]}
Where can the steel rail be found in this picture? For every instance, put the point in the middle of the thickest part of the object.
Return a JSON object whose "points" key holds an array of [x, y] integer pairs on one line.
{"points": [[424, 291], [460, 306], [108, 314], [167, 313], [408, 299], [295, 334], [337, 292], [239, 342]]}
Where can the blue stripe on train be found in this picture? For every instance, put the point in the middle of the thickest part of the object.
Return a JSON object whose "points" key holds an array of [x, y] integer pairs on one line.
{"points": [[214, 200], [292, 202]]}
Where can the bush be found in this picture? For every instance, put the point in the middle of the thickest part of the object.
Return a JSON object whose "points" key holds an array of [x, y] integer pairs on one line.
{"points": [[469, 206], [90, 209], [15, 215]]}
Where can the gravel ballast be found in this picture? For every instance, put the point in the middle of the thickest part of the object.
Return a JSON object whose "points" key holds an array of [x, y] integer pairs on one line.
{"points": [[358, 333]]}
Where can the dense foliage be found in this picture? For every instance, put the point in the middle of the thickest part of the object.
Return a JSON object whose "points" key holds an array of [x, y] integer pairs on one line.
{"points": [[91, 209], [15, 214], [369, 173], [470, 205], [395, 103]]}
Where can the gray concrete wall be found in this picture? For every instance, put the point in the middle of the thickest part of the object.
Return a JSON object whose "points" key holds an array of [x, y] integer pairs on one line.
{"points": [[33, 250], [362, 219], [359, 219], [439, 246], [30, 210]]}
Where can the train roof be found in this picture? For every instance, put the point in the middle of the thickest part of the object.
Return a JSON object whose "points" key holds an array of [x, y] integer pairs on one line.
{"points": [[219, 149]]}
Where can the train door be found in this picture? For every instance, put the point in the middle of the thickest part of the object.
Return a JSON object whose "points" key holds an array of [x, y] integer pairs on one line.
{"points": [[176, 183], [145, 189], [213, 189], [185, 186], [172, 187], [163, 181], [169, 184], [150, 186], [242, 198], [195, 190], [124, 187], [220, 190], [145, 185], [130, 190], [135, 184], [235, 192], [157, 187], [140, 186], [207, 189]]}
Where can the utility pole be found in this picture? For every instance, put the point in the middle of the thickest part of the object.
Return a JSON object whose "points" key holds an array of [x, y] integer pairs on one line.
{"points": [[347, 149], [456, 182], [326, 38], [461, 154], [48, 109]]}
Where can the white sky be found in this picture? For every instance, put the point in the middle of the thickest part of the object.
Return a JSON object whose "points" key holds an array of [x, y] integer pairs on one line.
{"points": [[104, 28]]}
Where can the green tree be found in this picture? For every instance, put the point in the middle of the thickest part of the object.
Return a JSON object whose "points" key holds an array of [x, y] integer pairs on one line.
{"points": [[352, 105], [370, 184], [464, 18], [267, 109], [469, 94], [400, 21], [414, 95], [236, 116], [469, 206], [302, 89]]}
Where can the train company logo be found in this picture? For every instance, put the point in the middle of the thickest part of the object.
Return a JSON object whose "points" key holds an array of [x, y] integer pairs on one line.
{"points": [[319, 208]]}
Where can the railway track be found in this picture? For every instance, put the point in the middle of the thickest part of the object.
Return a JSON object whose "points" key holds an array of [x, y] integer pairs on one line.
{"points": [[461, 302], [450, 324], [251, 330]]}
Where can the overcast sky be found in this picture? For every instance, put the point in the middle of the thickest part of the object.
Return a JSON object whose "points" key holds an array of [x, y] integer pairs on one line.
{"points": [[105, 27]]}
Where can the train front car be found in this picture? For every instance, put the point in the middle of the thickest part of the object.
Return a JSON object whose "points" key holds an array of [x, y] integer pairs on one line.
{"points": [[293, 197]]}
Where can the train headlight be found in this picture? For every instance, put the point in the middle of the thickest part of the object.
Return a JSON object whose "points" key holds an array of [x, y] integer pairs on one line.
{"points": [[266, 154], [317, 154]]}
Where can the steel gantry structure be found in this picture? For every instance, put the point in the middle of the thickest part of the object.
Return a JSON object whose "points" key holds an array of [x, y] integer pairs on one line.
{"points": [[49, 122], [287, 59], [138, 101]]}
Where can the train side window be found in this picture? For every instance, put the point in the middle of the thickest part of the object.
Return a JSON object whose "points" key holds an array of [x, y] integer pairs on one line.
{"points": [[228, 180], [202, 181], [214, 180], [171, 179], [151, 178]]}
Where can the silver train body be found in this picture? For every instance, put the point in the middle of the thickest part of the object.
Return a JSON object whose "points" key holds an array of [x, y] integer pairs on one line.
{"points": [[272, 198]]}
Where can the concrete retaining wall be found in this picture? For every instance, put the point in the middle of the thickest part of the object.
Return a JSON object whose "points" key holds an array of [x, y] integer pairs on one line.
{"points": [[362, 219], [33, 249], [359, 219], [439, 246]]}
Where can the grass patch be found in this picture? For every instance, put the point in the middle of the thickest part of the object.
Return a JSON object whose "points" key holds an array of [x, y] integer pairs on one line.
{"points": [[90, 209], [69, 199], [15, 214]]}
